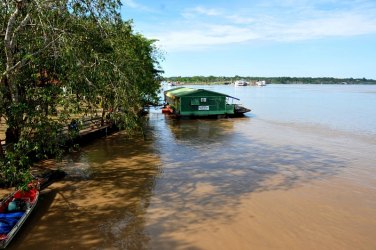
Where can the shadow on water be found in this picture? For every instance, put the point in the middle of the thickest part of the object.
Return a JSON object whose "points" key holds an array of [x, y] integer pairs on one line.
{"points": [[209, 165], [101, 203], [45, 201], [118, 188]]}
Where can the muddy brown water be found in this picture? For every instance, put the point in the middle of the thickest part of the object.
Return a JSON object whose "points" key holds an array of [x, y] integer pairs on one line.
{"points": [[247, 183]]}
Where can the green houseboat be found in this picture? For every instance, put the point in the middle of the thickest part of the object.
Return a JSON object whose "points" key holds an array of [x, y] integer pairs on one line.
{"points": [[184, 101]]}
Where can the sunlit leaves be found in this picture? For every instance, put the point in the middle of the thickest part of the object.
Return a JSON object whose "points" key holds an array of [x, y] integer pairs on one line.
{"points": [[64, 60]]}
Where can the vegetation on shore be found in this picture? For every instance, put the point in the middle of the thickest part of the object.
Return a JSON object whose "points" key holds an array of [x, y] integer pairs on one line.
{"points": [[274, 80], [62, 60]]}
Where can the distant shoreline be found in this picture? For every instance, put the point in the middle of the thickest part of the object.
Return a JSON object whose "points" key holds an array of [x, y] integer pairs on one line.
{"points": [[221, 83], [214, 80]]}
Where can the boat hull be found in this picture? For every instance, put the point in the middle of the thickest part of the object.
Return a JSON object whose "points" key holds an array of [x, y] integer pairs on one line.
{"points": [[7, 218]]}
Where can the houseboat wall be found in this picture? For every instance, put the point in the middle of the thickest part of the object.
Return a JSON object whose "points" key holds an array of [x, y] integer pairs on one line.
{"points": [[204, 105], [198, 102]]}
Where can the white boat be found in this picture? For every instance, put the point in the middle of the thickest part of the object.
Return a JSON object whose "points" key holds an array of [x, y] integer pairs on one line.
{"points": [[171, 84], [241, 83], [261, 83]]}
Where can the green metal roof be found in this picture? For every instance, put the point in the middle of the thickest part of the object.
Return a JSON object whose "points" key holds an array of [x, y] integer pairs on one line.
{"points": [[183, 91]]}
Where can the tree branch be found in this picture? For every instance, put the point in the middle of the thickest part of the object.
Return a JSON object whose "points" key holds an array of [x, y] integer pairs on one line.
{"points": [[22, 62], [22, 24], [8, 37]]}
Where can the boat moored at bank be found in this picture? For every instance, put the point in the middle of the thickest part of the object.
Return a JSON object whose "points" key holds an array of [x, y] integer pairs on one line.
{"points": [[14, 210], [241, 83], [184, 101]]}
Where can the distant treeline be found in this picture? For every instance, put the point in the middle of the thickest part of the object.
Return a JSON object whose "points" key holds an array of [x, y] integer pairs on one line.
{"points": [[275, 80]]}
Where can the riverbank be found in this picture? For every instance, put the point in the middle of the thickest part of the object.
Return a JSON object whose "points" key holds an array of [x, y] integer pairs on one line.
{"points": [[87, 134]]}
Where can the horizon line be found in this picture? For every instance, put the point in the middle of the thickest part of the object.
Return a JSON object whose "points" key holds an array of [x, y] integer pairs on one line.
{"points": [[312, 77]]}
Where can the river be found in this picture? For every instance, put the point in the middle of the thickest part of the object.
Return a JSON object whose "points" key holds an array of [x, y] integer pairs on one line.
{"points": [[295, 173]]}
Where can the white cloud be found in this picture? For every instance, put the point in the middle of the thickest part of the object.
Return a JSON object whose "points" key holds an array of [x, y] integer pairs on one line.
{"points": [[199, 10], [134, 5], [207, 11], [296, 24], [240, 19], [131, 3], [340, 25], [209, 35]]}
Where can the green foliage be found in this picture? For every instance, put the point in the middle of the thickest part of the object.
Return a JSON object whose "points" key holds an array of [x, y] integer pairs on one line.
{"points": [[65, 60]]}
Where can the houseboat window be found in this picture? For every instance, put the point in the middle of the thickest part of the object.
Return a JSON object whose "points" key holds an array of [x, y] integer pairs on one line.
{"points": [[203, 99], [203, 107], [195, 101]]}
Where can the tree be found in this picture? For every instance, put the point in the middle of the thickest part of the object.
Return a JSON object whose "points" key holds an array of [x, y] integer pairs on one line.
{"points": [[64, 57]]}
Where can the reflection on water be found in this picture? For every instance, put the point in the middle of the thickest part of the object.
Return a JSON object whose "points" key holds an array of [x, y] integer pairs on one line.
{"points": [[102, 202], [213, 184], [209, 167]]}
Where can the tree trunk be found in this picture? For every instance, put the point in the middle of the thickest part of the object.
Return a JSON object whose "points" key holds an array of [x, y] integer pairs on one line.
{"points": [[2, 155], [12, 135]]}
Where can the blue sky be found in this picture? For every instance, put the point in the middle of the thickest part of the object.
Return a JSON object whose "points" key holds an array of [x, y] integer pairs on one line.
{"points": [[316, 38]]}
